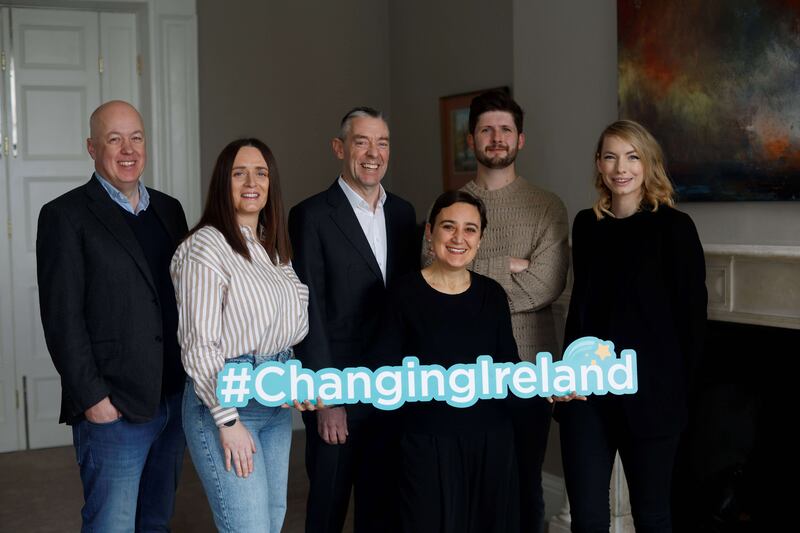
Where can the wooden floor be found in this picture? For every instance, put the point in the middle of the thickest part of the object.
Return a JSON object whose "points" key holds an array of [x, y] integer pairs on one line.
{"points": [[40, 492]]}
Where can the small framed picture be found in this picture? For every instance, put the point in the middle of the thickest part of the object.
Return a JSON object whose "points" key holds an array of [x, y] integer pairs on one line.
{"points": [[458, 161]]}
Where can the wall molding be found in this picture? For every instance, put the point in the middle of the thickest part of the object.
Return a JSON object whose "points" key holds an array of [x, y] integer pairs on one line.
{"points": [[754, 284]]}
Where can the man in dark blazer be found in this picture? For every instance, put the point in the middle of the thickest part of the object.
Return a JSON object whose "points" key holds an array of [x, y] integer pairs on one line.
{"points": [[349, 242], [110, 320]]}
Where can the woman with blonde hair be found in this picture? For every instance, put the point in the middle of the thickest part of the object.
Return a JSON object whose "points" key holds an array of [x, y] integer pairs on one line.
{"points": [[639, 281]]}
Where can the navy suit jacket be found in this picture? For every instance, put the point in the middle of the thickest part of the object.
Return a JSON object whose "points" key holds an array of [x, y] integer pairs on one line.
{"points": [[346, 288], [99, 304]]}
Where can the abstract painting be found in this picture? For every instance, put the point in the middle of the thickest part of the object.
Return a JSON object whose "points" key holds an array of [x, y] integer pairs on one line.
{"points": [[718, 84]]}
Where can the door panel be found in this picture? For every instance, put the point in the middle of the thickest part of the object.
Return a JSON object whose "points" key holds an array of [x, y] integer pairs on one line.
{"points": [[53, 119], [57, 85], [118, 43]]}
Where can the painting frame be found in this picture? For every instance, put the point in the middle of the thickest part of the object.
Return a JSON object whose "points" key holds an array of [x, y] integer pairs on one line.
{"points": [[459, 166]]}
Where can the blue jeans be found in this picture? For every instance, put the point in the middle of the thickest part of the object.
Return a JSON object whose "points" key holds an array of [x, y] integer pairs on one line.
{"points": [[256, 503], [130, 471]]}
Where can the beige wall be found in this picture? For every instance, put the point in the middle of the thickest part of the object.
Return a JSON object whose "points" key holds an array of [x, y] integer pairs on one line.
{"points": [[286, 72], [439, 48], [565, 77]]}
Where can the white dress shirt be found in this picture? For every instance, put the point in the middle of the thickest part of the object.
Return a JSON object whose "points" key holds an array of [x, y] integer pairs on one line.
{"points": [[373, 223]]}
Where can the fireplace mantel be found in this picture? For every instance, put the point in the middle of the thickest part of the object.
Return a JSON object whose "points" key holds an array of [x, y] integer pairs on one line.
{"points": [[754, 284]]}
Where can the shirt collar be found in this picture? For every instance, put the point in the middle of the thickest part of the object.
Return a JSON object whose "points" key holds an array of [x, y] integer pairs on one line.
{"points": [[247, 231], [122, 200], [356, 200]]}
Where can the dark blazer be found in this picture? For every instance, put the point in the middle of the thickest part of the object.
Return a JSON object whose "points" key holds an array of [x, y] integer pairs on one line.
{"points": [[99, 304], [346, 289], [665, 321]]}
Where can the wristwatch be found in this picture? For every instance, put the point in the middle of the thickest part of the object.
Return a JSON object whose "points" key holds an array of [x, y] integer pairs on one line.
{"points": [[230, 423]]}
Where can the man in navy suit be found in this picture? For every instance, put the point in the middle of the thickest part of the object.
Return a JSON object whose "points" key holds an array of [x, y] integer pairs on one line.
{"points": [[110, 321], [349, 242]]}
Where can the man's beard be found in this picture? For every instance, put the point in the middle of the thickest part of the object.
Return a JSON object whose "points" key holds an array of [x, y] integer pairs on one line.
{"points": [[496, 163]]}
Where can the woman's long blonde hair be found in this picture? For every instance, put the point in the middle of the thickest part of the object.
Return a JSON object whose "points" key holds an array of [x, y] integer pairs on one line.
{"points": [[657, 187]]}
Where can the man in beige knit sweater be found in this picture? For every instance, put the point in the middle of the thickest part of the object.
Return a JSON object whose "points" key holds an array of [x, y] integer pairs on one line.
{"points": [[524, 248]]}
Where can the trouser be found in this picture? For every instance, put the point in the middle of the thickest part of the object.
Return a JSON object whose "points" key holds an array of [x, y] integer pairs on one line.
{"points": [[366, 464], [254, 504], [531, 429], [590, 439], [130, 471]]}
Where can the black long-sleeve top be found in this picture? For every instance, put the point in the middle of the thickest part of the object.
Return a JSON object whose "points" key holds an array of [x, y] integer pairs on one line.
{"points": [[640, 282], [447, 329]]}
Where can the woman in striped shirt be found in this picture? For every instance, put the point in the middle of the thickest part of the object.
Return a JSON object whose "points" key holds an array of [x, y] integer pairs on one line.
{"points": [[239, 301]]}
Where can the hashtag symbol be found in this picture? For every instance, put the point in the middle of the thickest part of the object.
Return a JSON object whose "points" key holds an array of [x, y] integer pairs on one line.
{"points": [[235, 379]]}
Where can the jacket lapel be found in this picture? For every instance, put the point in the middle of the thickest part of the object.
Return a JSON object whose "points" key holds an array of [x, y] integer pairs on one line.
{"points": [[345, 219], [394, 239], [107, 212], [161, 211]]}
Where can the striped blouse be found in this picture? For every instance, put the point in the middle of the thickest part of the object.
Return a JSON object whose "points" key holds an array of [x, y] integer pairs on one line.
{"points": [[229, 306]]}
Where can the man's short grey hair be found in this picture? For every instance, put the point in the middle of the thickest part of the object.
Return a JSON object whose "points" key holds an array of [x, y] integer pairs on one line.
{"points": [[362, 111]]}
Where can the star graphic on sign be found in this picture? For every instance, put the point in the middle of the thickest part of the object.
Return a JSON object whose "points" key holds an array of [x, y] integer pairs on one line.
{"points": [[602, 351]]}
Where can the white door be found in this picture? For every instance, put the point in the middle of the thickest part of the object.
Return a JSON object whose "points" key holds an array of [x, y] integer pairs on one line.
{"points": [[60, 75], [121, 62], [57, 66], [56, 85]]}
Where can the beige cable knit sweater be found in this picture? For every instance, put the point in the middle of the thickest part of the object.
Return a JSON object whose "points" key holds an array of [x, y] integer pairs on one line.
{"points": [[531, 223]]}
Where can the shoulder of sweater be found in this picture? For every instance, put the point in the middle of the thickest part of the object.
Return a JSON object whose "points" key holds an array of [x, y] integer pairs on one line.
{"points": [[517, 194], [586, 214], [539, 191], [670, 212], [584, 218], [678, 221]]}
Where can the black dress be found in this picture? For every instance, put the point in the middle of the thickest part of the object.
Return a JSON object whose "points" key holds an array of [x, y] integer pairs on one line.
{"points": [[458, 464]]}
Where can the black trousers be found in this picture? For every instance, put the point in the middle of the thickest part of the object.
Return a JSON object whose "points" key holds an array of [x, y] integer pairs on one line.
{"points": [[367, 463], [531, 428], [591, 435]]}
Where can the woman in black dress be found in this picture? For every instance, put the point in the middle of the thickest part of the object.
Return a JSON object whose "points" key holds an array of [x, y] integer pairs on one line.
{"points": [[640, 282], [458, 468]]}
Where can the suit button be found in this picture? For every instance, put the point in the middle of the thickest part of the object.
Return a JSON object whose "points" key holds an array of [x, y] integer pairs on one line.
{"points": [[158, 338], [155, 301]]}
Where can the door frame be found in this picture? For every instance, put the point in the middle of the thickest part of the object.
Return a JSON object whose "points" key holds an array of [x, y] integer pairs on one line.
{"points": [[169, 104]]}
